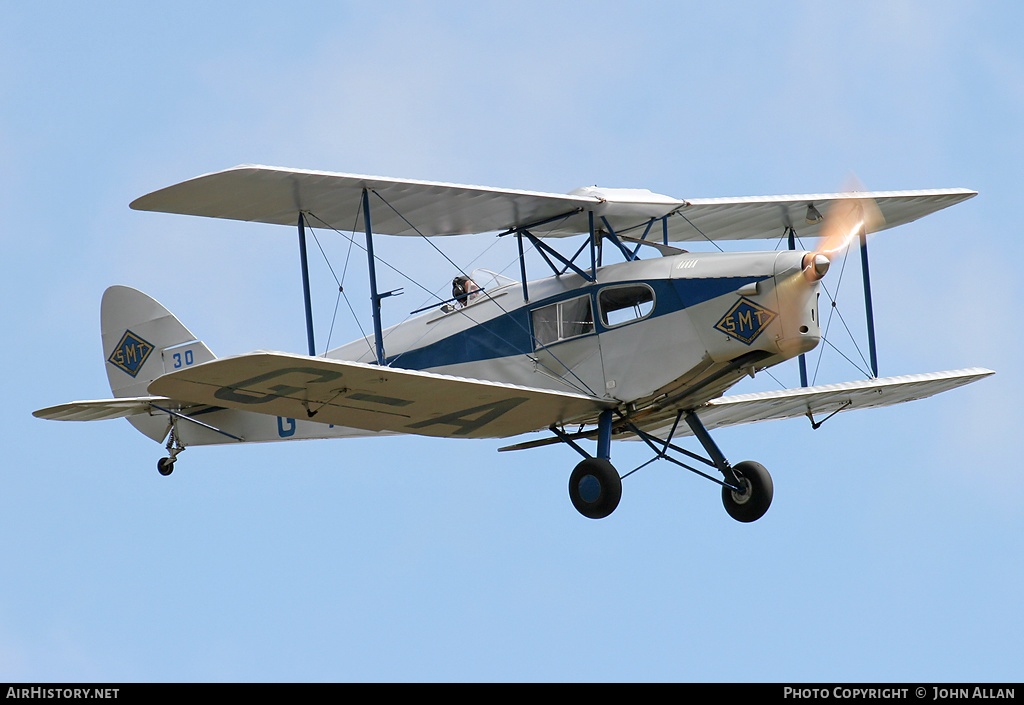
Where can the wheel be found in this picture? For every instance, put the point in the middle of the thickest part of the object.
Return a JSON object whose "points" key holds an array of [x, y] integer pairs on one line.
{"points": [[753, 502], [165, 466], [595, 488]]}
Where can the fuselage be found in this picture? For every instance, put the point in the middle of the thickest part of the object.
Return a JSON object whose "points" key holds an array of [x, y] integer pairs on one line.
{"points": [[643, 330]]}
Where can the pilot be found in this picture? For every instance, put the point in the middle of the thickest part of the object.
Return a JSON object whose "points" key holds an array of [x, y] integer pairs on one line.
{"points": [[464, 290]]}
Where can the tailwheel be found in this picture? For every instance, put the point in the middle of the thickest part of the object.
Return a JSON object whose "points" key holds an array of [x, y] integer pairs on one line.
{"points": [[753, 501], [595, 488], [165, 466]]}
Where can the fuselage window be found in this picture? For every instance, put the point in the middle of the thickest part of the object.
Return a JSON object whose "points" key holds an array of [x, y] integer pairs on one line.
{"points": [[562, 320], [622, 304]]}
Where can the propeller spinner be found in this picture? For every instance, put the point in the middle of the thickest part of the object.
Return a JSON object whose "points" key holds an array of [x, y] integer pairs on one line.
{"points": [[846, 219]]}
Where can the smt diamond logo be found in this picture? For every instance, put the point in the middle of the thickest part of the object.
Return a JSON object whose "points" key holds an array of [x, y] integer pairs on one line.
{"points": [[745, 321], [130, 353]]}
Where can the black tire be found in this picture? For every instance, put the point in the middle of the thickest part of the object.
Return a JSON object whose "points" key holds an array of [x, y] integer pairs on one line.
{"points": [[595, 488], [753, 502], [165, 466]]}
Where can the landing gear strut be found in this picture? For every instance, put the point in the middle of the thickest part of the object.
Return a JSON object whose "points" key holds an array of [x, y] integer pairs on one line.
{"points": [[747, 490]]}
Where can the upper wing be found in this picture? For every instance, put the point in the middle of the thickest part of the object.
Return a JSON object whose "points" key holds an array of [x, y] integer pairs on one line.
{"points": [[769, 216], [373, 398], [826, 399], [276, 195], [265, 194]]}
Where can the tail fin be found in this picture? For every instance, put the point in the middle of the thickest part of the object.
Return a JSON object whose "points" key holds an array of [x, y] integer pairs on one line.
{"points": [[142, 340]]}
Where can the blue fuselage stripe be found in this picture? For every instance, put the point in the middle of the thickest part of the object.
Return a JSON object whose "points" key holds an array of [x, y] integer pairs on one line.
{"points": [[509, 334]]}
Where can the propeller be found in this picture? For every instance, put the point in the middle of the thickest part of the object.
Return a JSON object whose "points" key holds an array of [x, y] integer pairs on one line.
{"points": [[846, 219]]}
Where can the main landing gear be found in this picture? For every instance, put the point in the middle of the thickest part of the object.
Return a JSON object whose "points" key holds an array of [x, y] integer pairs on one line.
{"points": [[595, 487], [755, 496]]}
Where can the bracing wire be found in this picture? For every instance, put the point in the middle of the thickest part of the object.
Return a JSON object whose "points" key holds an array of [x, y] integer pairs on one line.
{"points": [[341, 288], [700, 231], [834, 309], [502, 308], [584, 389]]}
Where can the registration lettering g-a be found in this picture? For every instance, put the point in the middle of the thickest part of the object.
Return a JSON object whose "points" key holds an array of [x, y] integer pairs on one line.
{"points": [[467, 421], [231, 392]]}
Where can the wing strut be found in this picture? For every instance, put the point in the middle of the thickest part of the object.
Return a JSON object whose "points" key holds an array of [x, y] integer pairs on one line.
{"points": [[374, 296], [305, 284], [867, 302], [803, 358]]}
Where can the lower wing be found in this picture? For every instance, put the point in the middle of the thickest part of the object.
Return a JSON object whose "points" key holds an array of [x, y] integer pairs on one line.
{"points": [[832, 398], [373, 398]]}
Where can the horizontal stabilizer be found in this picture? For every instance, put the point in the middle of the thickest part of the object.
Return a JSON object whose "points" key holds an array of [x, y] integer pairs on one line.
{"points": [[373, 398], [266, 194], [101, 409]]}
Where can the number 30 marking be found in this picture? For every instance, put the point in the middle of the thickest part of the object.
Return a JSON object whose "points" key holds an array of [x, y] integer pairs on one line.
{"points": [[178, 360]]}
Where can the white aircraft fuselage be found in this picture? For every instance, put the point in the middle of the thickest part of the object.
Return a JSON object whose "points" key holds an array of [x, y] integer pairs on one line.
{"points": [[644, 329]]}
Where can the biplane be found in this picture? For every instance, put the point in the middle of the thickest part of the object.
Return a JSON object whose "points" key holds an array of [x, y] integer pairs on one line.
{"points": [[642, 349]]}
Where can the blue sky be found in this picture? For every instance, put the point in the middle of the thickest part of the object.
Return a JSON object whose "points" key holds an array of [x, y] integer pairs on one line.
{"points": [[891, 551]]}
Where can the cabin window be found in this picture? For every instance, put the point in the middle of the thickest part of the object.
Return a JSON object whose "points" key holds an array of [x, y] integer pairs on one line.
{"points": [[562, 320], [622, 304]]}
